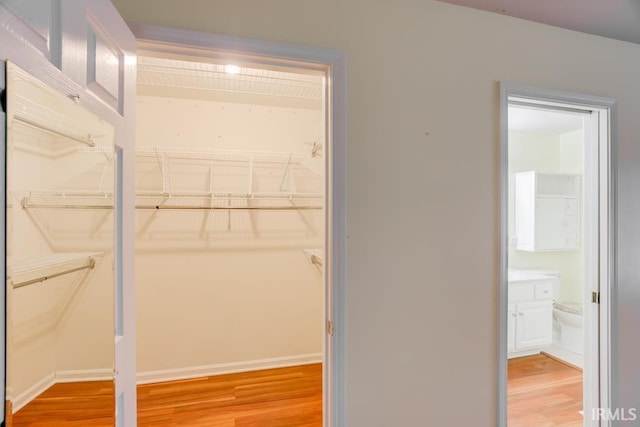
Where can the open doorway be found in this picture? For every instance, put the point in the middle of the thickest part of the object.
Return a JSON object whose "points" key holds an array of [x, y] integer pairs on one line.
{"points": [[555, 255], [230, 236]]}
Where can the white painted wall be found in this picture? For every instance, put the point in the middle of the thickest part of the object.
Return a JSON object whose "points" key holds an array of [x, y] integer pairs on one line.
{"points": [[215, 288], [64, 323], [423, 210], [551, 153]]}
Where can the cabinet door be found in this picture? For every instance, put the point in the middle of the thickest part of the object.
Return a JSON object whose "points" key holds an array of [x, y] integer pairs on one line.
{"points": [[533, 324], [511, 327], [549, 228]]}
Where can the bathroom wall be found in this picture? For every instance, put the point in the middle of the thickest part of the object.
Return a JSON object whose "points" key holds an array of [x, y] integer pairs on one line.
{"points": [[545, 152], [227, 290]]}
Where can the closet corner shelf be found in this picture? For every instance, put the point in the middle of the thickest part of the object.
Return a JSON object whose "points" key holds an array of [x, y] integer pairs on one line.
{"points": [[32, 270]]}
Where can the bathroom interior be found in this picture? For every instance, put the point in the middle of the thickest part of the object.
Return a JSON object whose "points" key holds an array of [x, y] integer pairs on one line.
{"points": [[551, 143], [546, 251]]}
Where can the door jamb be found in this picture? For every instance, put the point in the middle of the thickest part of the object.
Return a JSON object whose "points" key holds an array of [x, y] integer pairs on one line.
{"points": [[170, 40], [608, 290]]}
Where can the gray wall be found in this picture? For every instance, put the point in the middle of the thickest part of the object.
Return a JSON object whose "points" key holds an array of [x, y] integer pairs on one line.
{"points": [[423, 184]]}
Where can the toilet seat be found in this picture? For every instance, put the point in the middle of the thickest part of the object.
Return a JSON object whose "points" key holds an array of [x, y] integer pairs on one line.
{"points": [[568, 307]]}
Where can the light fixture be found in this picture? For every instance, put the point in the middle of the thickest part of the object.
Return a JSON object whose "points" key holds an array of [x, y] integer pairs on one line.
{"points": [[232, 69]]}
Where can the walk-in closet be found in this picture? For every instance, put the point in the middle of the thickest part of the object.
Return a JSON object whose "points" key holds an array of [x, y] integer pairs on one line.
{"points": [[230, 218], [230, 236], [60, 240]]}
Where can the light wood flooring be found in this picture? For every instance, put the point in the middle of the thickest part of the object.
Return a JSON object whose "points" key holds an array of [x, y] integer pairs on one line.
{"points": [[543, 392], [282, 397]]}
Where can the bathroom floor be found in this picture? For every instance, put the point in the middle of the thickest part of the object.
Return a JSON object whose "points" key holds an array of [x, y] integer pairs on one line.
{"points": [[543, 392]]}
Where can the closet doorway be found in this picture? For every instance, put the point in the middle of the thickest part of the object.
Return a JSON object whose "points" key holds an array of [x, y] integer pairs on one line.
{"points": [[556, 281], [233, 228]]}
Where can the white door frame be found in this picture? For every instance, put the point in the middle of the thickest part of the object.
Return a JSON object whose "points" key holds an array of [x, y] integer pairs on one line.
{"points": [[604, 122], [175, 41]]}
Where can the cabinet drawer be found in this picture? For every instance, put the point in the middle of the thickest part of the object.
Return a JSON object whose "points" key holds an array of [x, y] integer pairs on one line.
{"points": [[524, 292], [543, 291]]}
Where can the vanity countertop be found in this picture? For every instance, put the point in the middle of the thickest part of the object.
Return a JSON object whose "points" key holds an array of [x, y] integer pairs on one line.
{"points": [[515, 275]]}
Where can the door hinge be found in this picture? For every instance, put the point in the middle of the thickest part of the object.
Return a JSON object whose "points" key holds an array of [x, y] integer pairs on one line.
{"points": [[595, 297], [330, 327]]}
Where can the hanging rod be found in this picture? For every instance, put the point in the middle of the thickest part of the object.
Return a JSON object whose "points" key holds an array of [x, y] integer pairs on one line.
{"points": [[79, 199], [27, 204], [91, 264], [27, 267], [79, 138], [229, 208]]}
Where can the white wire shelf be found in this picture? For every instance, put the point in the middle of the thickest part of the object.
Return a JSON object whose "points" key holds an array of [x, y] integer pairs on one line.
{"points": [[220, 154], [27, 271], [216, 187]]}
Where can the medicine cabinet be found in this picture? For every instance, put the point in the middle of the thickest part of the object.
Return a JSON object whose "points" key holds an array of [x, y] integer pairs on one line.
{"points": [[547, 211]]}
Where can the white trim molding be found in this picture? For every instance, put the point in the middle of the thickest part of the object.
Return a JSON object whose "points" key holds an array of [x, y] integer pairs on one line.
{"points": [[56, 377], [172, 41], [176, 374], [83, 375], [23, 399]]}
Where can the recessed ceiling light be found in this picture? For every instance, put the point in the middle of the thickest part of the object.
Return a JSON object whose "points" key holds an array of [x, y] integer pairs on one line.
{"points": [[232, 69]]}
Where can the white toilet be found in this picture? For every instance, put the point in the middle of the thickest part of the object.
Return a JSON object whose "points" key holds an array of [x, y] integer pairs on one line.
{"points": [[568, 324]]}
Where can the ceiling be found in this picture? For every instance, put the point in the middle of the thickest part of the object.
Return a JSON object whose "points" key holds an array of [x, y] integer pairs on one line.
{"points": [[535, 120], [179, 78], [616, 19]]}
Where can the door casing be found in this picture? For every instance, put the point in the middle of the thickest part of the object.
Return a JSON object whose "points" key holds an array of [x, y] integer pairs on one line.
{"points": [[169, 41], [605, 327]]}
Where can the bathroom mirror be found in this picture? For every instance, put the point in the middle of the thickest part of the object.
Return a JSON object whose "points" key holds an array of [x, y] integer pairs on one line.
{"points": [[60, 239]]}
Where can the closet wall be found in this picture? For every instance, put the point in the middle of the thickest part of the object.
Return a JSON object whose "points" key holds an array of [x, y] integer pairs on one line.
{"points": [[59, 327], [225, 290]]}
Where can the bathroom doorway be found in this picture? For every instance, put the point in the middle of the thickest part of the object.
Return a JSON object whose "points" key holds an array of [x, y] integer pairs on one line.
{"points": [[555, 254]]}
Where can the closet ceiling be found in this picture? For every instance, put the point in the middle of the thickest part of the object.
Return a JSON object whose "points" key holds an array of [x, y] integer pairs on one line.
{"points": [[189, 79], [616, 19]]}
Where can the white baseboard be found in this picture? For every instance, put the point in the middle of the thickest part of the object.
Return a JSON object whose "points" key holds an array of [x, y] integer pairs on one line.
{"points": [[162, 375], [32, 392], [523, 353], [58, 377], [149, 377], [84, 375]]}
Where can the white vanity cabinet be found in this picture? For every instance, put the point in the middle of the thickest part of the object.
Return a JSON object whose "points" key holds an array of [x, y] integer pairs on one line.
{"points": [[547, 211], [530, 314]]}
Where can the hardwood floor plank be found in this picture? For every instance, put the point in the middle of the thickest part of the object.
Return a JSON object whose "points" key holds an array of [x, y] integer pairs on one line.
{"points": [[281, 397], [543, 392]]}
